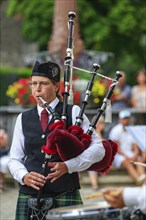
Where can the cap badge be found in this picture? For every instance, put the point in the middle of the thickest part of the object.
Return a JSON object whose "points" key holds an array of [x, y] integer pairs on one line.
{"points": [[54, 71]]}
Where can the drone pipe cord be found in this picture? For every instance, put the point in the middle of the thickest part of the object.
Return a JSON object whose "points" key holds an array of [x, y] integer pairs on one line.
{"points": [[87, 71]]}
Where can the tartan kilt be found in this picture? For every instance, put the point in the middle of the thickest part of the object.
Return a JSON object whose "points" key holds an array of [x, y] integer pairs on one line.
{"points": [[65, 199]]}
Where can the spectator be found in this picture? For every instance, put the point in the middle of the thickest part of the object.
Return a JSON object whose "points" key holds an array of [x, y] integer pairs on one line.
{"points": [[138, 98], [4, 157], [100, 126], [122, 94], [142, 158], [128, 149], [100, 131]]}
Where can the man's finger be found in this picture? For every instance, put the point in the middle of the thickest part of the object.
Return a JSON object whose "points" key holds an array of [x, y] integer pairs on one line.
{"points": [[51, 164], [53, 180]]}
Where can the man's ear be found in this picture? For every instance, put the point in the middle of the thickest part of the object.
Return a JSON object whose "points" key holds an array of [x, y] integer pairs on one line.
{"points": [[57, 86]]}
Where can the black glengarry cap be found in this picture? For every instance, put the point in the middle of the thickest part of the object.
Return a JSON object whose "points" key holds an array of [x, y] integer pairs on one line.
{"points": [[48, 69]]}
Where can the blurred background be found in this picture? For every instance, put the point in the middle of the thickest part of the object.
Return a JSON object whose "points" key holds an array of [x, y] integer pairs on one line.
{"points": [[111, 33]]}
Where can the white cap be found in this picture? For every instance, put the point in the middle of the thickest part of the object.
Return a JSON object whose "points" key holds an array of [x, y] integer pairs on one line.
{"points": [[124, 114]]}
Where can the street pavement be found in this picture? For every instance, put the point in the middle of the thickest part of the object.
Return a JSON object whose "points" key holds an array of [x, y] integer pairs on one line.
{"points": [[8, 199]]}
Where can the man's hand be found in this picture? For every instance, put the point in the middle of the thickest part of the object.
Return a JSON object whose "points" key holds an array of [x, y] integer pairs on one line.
{"points": [[35, 180], [114, 196], [58, 169]]}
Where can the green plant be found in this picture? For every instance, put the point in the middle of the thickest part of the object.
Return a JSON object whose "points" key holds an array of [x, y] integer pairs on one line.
{"points": [[22, 71]]}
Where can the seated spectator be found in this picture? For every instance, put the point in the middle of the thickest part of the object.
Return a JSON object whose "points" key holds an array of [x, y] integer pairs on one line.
{"points": [[100, 126], [122, 94], [100, 131], [142, 158], [138, 99], [4, 157], [128, 150]]}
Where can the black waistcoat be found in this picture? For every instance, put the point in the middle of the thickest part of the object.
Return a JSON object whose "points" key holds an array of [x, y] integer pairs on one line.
{"points": [[33, 142]]}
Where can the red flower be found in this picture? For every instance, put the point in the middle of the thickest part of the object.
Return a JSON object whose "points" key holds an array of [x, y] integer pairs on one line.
{"points": [[21, 93]]}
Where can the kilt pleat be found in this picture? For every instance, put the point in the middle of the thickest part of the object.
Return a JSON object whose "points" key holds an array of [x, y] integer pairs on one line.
{"points": [[22, 207]]}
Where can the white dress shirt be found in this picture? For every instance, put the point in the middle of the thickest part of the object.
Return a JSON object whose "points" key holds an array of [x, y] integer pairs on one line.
{"points": [[94, 153], [135, 197]]}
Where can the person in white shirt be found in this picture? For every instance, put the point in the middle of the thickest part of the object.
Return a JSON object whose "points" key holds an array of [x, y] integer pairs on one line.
{"points": [[128, 150], [26, 158]]}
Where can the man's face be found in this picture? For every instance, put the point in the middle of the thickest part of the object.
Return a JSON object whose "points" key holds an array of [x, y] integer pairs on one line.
{"points": [[125, 121], [43, 87]]}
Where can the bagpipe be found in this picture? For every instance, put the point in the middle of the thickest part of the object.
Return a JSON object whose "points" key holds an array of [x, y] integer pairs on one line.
{"points": [[71, 141]]}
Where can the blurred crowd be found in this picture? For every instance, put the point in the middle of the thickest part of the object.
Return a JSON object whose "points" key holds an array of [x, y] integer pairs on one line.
{"points": [[128, 149], [127, 96]]}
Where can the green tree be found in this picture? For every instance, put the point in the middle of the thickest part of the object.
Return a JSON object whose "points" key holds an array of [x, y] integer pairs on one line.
{"points": [[117, 26], [105, 25], [37, 19]]}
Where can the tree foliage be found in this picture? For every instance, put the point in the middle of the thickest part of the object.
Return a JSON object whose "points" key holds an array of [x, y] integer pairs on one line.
{"points": [[37, 19], [105, 25], [117, 26]]}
